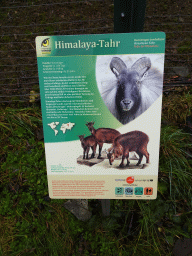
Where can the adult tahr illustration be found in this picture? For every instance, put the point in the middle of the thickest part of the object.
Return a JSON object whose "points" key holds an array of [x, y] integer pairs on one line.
{"points": [[136, 141], [129, 84]]}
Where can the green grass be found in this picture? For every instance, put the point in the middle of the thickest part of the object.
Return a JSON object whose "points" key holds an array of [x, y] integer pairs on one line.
{"points": [[177, 106], [33, 224]]}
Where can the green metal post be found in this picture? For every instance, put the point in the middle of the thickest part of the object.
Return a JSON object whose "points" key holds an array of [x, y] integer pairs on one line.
{"points": [[105, 204], [129, 15]]}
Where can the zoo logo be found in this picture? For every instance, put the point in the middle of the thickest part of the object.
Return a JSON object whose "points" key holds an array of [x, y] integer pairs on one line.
{"points": [[45, 46], [45, 42]]}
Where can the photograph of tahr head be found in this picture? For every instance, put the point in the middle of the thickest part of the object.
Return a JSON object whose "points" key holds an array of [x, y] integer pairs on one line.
{"points": [[129, 84]]}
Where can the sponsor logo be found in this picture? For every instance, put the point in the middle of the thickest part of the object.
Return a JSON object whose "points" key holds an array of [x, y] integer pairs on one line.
{"points": [[130, 180]]}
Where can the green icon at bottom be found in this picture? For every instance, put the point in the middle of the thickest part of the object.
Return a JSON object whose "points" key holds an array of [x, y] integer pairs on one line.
{"points": [[138, 191], [119, 191]]}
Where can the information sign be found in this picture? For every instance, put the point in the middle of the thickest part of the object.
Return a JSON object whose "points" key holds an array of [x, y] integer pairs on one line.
{"points": [[101, 98]]}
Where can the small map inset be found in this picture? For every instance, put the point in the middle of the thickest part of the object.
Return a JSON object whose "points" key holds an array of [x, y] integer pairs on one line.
{"points": [[63, 127], [53, 125], [67, 126]]}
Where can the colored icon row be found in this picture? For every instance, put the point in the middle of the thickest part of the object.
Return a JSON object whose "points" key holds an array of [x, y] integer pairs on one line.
{"points": [[135, 191]]}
